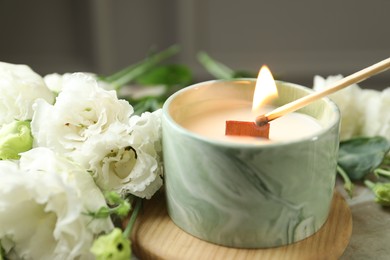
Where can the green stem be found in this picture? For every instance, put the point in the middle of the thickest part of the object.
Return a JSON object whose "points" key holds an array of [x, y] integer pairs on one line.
{"points": [[132, 72], [103, 212], [382, 172], [348, 185], [369, 184], [113, 209], [133, 217]]}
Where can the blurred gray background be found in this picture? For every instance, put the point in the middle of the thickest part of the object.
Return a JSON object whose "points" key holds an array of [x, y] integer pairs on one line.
{"points": [[297, 39]]}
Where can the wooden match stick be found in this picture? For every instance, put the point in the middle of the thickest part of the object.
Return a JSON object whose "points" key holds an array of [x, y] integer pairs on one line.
{"points": [[345, 82], [243, 128]]}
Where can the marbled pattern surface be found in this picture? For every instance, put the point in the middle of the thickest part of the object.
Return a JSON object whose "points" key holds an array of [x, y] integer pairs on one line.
{"points": [[250, 196]]}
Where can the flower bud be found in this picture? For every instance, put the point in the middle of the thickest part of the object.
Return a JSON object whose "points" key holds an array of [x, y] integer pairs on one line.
{"points": [[112, 246], [15, 138], [382, 193]]}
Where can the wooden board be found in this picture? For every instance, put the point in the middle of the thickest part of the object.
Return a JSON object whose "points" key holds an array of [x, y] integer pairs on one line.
{"points": [[155, 236]]}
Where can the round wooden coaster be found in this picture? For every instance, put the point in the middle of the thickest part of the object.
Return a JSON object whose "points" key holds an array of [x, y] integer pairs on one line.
{"points": [[155, 236]]}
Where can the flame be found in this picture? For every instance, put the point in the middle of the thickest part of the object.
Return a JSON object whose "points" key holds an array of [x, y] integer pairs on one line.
{"points": [[265, 89]]}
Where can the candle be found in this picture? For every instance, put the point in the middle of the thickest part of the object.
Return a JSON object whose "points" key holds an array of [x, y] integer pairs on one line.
{"points": [[268, 193], [293, 126]]}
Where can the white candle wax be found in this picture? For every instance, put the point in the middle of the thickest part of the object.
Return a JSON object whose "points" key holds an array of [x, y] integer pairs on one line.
{"points": [[290, 127]]}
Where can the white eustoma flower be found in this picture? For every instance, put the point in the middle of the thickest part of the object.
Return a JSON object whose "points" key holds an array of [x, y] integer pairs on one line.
{"points": [[43, 206], [146, 140], [93, 127], [376, 112], [126, 161], [20, 87], [347, 101], [364, 112], [81, 110], [54, 81]]}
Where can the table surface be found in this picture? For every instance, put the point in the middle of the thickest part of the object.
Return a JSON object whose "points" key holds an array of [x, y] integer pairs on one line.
{"points": [[371, 226]]}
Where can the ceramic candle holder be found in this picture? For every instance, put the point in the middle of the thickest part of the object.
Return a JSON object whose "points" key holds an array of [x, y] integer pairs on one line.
{"points": [[248, 195]]}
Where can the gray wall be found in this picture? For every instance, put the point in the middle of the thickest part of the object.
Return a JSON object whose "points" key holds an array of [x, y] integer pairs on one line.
{"points": [[297, 39]]}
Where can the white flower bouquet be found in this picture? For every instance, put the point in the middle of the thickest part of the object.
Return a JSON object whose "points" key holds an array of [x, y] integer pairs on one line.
{"points": [[72, 154]]}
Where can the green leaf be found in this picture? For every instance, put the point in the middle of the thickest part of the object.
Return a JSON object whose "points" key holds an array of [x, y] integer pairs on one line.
{"points": [[215, 68], [169, 75], [360, 156], [147, 104], [131, 72], [221, 71]]}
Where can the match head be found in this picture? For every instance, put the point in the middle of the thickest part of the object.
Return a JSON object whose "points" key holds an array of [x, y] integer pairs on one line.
{"points": [[262, 120]]}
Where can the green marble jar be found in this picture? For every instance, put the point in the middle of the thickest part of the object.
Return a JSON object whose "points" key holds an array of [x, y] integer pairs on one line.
{"points": [[248, 195]]}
